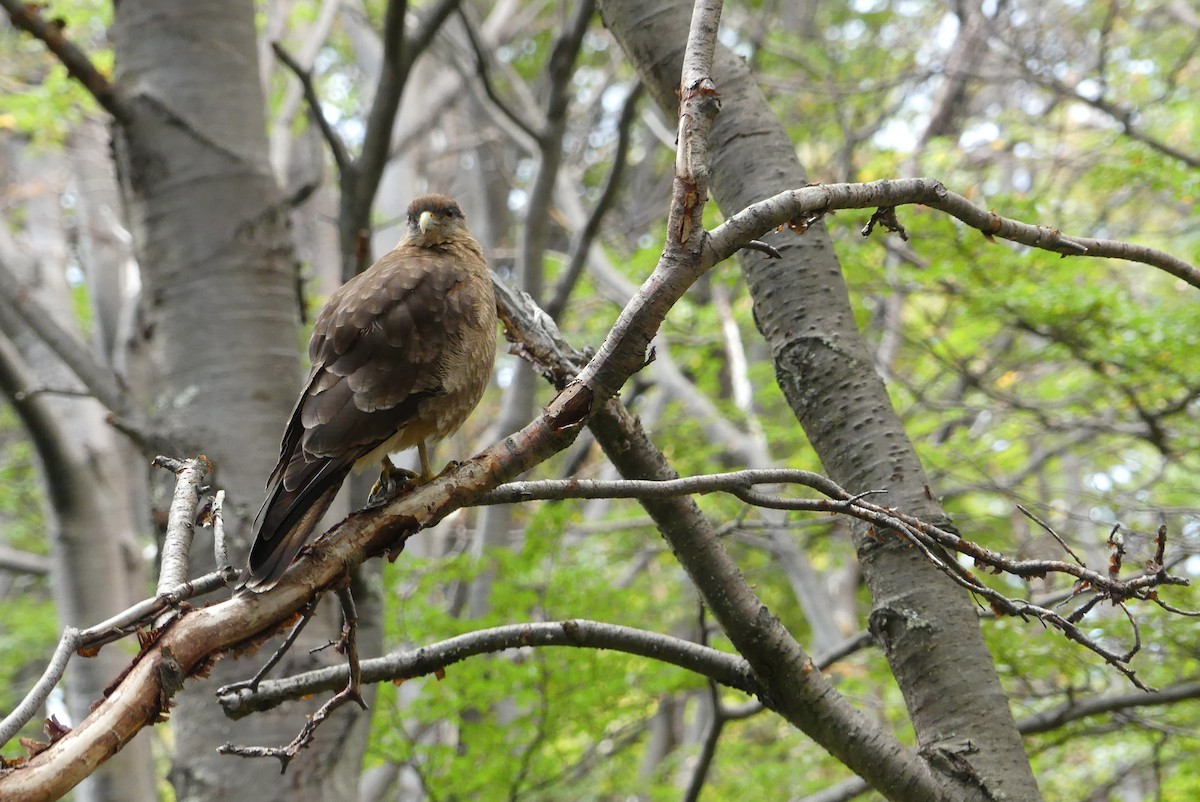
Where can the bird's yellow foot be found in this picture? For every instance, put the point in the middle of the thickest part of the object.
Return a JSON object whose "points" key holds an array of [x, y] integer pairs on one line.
{"points": [[392, 482]]}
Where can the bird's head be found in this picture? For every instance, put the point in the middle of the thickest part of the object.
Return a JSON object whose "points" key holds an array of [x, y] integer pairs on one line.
{"points": [[435, 220]]}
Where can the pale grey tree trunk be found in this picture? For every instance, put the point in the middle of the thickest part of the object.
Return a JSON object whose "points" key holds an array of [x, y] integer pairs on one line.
{"points": [[218, 316], [90, 487], [926, 625]]}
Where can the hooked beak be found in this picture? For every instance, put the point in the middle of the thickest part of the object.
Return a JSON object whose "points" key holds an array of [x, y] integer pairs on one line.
{"points": [[425, 222]]}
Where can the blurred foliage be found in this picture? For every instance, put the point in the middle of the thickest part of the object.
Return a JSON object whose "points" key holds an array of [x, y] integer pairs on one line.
{"points": [[28, 628]]}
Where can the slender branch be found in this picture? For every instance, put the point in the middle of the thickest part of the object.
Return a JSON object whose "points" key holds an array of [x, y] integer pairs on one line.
{"points": [[45, 430], [360, 180], [484, 72], [802, 204], [1053, 533], [93, 638], [252, 684], [547, 489], [239, 700], [23, 562], [1075, 709], [341, 157], [586, 235], [100, 381], [926, 537], [37, 696], [843, 791], [347, 645], [839, 500], [727, 669], [216, 516], [708, 748], [29, 19], [399, 54], [124, 622], [181, 518]]}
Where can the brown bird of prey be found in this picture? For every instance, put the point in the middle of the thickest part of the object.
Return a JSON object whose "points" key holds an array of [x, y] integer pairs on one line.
{"points": [[400, 355]]}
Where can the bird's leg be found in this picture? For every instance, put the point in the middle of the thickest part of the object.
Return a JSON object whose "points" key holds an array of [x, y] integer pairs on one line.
{"points": [[423, 453], [391, 482]]}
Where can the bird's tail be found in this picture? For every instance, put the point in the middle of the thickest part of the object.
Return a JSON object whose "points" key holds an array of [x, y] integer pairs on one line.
{"points": [[285, 524]]}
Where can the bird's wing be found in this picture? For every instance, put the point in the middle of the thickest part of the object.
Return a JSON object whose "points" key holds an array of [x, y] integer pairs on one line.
{"points": [[377, 352]]}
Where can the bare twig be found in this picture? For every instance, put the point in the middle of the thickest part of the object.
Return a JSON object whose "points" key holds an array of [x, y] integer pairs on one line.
{"points": [[582, 243], [489, 87], [100, 381], [220, 549], [759, 218], [181, 518], [926, 537], [1077, 708], [727, 669], [37, 696], [341, 157], [24, 562], [1116, 542], [516, 492], [29, 18], [762, 247], [1053, 534], [347, 645], [708, 748], [1160, 549], [126, 621], [252, 684]]}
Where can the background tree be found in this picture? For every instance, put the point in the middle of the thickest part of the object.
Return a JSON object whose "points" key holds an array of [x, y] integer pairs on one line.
{"points": [[1011, 377]]}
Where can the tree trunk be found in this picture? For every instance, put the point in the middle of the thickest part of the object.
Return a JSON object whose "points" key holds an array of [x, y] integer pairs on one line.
{"points": [[219, 317], [90, 491], [926, 625]]}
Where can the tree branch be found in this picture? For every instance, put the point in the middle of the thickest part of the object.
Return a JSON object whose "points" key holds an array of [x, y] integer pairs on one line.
{"points": [[582, 243], [114, 628], [926, 537], [843, 791], [181, 518], [399, 54], [1075, 709], [725, 668], [359, 180], [100, 381], [485, 78], [815, 201], [24, 562], [554, 489], [341, 157], [29, 19]]}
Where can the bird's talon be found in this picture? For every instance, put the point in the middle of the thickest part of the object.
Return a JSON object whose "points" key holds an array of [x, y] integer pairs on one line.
{"points": [[392, 482]]}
